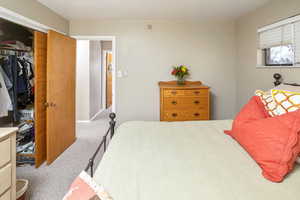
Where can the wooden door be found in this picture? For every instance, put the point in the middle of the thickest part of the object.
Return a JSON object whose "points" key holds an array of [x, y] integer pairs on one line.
{"points": [[108, 80], [40, 70], [61, 61]]}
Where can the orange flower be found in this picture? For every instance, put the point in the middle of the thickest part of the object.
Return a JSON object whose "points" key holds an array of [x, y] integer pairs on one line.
{"points": [[174, 72]]}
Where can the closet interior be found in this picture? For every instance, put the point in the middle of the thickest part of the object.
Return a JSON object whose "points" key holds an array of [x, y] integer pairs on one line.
{"points": [[37, 91], [17, 85]]}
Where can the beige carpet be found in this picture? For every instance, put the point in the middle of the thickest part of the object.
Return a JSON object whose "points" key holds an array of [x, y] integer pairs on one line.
{"points": [[51, 182]]}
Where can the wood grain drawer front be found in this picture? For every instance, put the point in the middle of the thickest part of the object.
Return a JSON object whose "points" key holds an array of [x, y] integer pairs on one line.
{"points": [[5, 152], [5, 178], [179, 115], [196, 93], [6, 195], [182, 102], [186, 93]]}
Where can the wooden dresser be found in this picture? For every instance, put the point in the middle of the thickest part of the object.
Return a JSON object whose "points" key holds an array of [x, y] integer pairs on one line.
{"points": [[8, 163], [188, 102]]}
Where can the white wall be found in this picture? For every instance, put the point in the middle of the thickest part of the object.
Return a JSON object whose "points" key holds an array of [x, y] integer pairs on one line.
{"points": [[211, 48], [208, 47], [88, 79], [38, 12], [250, 78], [95, 78], [82, 80]]}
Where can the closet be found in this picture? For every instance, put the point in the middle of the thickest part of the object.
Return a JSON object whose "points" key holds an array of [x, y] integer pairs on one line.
{"points": [[37, 74]]}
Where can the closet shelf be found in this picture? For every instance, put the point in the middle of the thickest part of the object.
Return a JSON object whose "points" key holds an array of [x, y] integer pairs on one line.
{"points": [[32, 155], [9, 49]]}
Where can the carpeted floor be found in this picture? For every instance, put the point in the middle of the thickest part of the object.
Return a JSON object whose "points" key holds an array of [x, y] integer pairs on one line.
{"points": [[51, 182]]}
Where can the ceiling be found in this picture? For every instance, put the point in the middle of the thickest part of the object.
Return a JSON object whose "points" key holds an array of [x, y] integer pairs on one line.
{"points": [[153, 9]]}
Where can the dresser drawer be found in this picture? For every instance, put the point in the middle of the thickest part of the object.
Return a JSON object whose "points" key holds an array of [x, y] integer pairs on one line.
{"points": [[183, 102], [196, 93], [6, 195], [5, 178], [5, 152], [188, 115], [186, 93]]}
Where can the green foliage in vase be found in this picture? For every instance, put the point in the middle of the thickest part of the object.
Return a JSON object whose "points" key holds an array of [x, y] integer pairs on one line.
{"points": [[180, 72]]}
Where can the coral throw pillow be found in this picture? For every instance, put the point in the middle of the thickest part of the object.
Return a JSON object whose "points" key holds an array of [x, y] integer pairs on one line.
{"points": [[253, 110], [273, 142], [85, 188]]}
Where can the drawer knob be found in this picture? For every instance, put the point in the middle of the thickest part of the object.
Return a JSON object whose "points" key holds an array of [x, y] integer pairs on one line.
{"points": [[174, 92], [196, 114], [197, 92], [174, 102], [196, 102], [174, 114]]}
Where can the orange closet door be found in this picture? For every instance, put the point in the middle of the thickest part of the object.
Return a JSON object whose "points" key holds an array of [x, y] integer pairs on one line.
{"points": [[61, 62], [40, 81]]}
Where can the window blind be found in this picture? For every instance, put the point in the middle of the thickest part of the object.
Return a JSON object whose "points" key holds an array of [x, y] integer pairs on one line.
{"points": [[297, 42], [282, 35]]}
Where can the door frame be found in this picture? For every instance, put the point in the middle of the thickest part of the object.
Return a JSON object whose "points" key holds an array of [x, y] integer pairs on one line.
{"points": [[114, 68]]}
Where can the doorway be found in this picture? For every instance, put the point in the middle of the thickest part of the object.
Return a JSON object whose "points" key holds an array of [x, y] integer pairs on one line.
{"points": [[95, 77]]}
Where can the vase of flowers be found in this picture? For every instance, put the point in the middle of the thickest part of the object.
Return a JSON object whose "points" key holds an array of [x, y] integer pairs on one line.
{"points": [[180, 72]]}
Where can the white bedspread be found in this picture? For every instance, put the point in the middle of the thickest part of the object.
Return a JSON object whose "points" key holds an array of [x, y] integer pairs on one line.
{"points": [[185, 161]]}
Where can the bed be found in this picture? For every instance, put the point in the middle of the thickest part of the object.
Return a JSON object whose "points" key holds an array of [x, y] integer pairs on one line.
{"points": [[183, 160]]}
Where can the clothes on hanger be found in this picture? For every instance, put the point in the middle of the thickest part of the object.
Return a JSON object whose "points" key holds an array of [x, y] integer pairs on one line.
{"points": [[18, 75], [7, 81], [8, 64], [5, 101], [24, 82]]}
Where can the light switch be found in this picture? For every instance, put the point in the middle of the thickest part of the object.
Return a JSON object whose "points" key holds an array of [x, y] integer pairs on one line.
{"points": [[119, 74]]}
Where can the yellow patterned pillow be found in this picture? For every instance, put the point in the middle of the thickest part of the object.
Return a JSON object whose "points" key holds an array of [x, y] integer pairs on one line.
{"points": [[286, 101], [268, 101]]}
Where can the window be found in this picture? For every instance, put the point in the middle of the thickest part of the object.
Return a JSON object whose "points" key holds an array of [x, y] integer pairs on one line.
{"points": [[279, 44], [280, 55]]}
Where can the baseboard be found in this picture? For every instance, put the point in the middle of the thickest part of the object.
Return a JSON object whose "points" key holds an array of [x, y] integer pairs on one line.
{"points": [[90, 120], [94, 117], [83, 121]]}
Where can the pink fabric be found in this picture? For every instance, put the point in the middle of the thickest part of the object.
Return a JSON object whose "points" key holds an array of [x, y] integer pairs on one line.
{"points": [[85, 188], [273, 142], [80, 190], [253, 110]]}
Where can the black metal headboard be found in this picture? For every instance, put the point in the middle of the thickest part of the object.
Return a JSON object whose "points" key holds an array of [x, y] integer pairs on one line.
{"points": [[279, 80]]}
